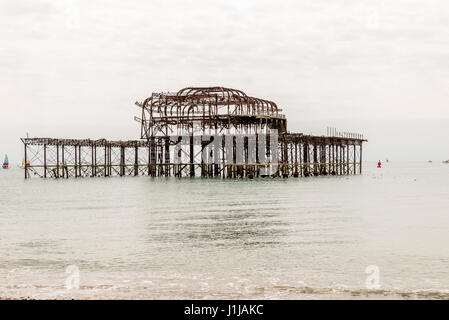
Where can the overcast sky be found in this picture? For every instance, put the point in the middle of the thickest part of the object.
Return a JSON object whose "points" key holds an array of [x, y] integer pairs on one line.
{"points": [[75, 68]]}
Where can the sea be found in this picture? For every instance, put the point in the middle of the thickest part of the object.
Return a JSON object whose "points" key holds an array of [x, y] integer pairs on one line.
{"points": [[380, 235]]}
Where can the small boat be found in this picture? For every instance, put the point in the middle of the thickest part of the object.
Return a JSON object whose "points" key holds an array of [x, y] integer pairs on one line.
{"points": [[446, 161], [5, 163]]}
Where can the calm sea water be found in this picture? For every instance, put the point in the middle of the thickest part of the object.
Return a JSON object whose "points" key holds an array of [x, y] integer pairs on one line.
{"points": [[166, 238]]}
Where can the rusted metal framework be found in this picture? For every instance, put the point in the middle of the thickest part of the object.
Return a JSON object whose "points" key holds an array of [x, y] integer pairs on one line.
{"points": [[64, 158], [297, 155], [207, 132], [207, 110]]}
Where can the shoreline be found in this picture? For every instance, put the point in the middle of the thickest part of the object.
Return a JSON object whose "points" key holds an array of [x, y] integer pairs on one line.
{"points": [[302, 294]]}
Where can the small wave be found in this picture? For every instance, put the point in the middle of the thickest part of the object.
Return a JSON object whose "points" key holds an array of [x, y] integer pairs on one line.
{"points": [[177, 291], [367, 293]]}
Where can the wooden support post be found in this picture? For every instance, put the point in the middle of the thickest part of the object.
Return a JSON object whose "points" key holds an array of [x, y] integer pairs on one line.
{"points": [[122, 161], [106, 160], [167, 156], [216, 157], [136, 161], [203, 145], [45, 161], [306, 159], [161, 170], [75, 165], [57, 161], [244, 169], [323, 161], [296, 161], [341, 158], [284, 158], [315, 160], [191, 157], [110, 160], [347, 157], [224, 170], [95, 161], [234, 157], [333, 158], [337, 159], [79, 161], [153, 156], [26, 160], [337, 155], [63, 162], [92, 155]]}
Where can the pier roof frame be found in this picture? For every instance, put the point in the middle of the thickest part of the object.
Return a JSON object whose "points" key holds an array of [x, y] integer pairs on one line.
{"points": [[207, 108]]}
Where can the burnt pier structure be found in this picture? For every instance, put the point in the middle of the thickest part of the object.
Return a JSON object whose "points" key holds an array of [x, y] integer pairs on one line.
{"points": [[201, 132]]}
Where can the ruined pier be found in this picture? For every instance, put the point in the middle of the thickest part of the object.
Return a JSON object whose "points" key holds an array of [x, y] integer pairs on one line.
{"points": [[201, 132]]}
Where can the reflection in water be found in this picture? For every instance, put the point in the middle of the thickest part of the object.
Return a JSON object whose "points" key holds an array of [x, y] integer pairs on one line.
{"points": [[233, 227]]}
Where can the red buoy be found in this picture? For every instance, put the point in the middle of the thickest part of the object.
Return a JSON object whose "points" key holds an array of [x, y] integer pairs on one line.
{"points": [[379, 164]]}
